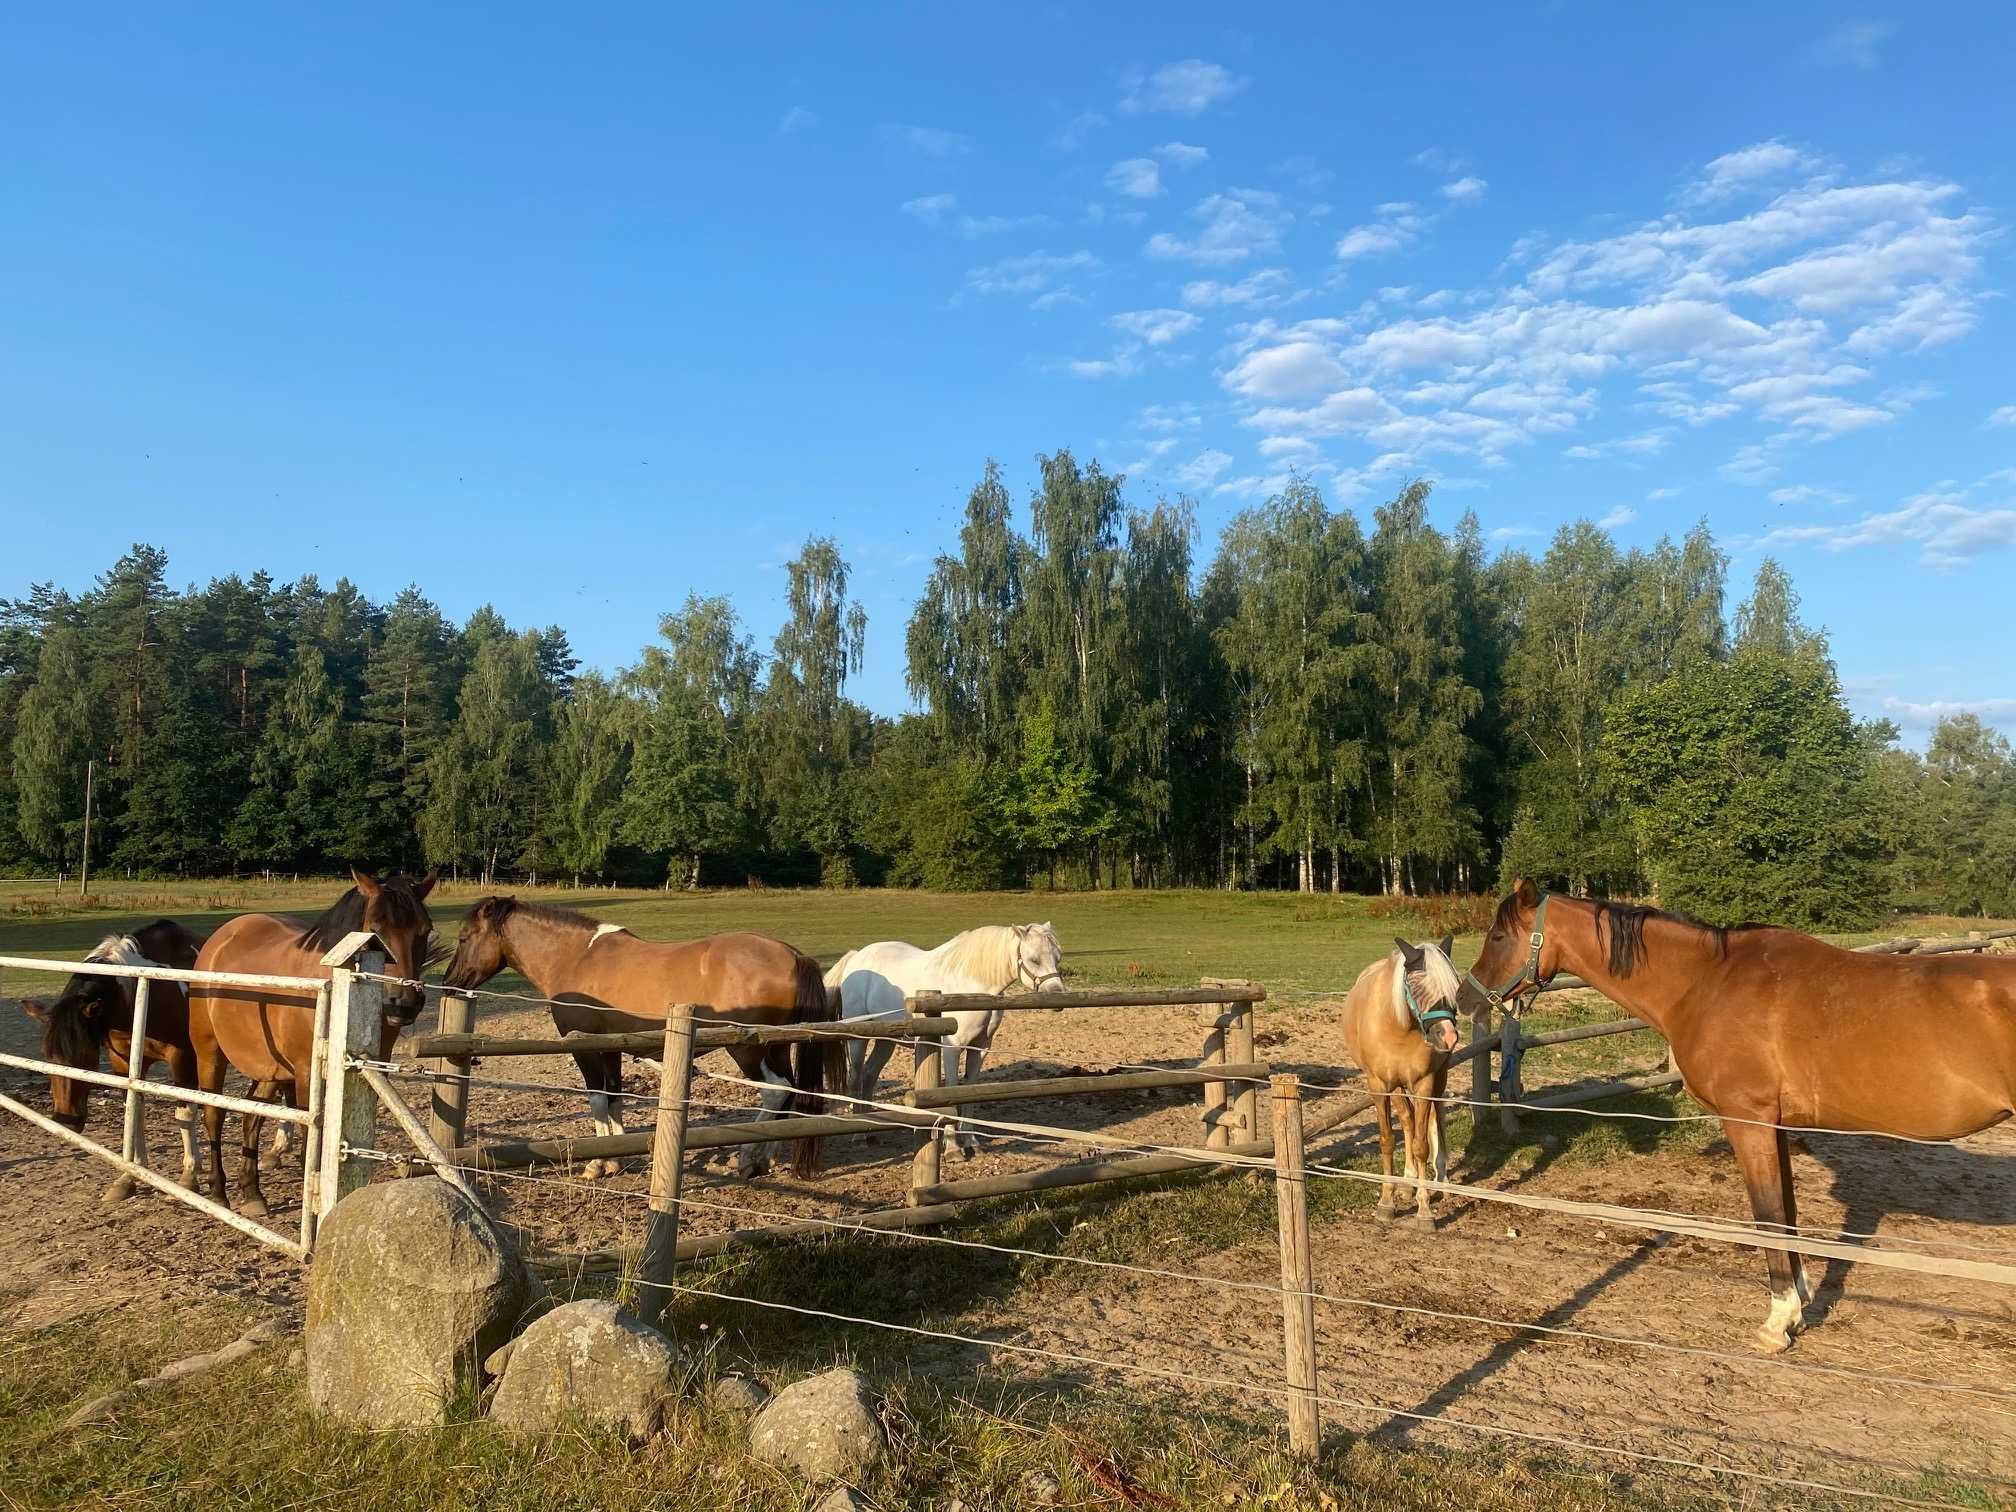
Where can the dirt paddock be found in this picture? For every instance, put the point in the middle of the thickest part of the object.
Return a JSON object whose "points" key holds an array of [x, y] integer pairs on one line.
{"points": [[64, 1253]]}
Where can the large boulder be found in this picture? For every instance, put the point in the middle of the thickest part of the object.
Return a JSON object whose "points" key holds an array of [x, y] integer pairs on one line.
{"points": [[411, 1288], [586, 1362], [823, 1427]]}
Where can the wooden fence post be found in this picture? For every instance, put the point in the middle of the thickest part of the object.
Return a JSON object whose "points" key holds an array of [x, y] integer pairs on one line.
{"points": [[1298, 1285], [349, 1107], [1509, 1089], [1480, 1071], [1217, 1133], [311, 1132], [448, 1113], [668, 1156], [927, 1074], [133, 1141]]}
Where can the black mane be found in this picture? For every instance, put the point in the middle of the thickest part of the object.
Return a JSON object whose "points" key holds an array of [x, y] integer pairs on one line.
{"points": [[397, 903], [1626, 923], [74, 1037], [499, 909]]}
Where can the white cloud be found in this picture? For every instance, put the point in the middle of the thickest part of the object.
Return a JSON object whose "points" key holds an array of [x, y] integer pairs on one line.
{"points": [[1376, 240], [1438, 160], [1237, 225], [1259, 289], [1294, 448], [1075, 132], [1945, 524], [2006, 415], [1188, 88], [1922, 716], [1255, 485], [1807, 493], [931, 208], [1855, 43], [1056, 299], [930, 142], [1201, 471], [1464, 191], [1182, 154], [1748, 168], [1034, 273], [1119, 365], [1139, 177], [1661, 493], [1645, 444], [1156, 327], [1165, 418], [797, 118], [1623, 514], [1292, 370], [1514, 532]]}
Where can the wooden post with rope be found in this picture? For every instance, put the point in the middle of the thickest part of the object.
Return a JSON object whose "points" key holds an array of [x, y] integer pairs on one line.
{"points": [[1245, 1098], [1480, 1068], [668, 1157], [448, 1111], [1509, 1089], [1298, 1285], [1217, 1133], [927, 1074]]}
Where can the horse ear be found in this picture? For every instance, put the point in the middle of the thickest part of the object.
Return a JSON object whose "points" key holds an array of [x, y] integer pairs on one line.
{"points": [[366, 883], [1527, 894], [1448, 944], [1409, 952], [38, 1011], [426, 884]]}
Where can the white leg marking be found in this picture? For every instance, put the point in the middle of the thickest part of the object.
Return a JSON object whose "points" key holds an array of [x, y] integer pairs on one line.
{"points": [[185, 1120], [1786, 1314]]}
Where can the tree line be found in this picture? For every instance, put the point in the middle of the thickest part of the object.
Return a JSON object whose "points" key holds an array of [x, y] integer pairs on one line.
{"points": [[1328, 705]]}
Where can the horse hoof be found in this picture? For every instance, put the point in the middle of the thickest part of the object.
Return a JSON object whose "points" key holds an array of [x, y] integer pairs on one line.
{"points": [[252, 1207], [1386, 1212], [1425, 1222], [1770, 1342], [120, 1189]]}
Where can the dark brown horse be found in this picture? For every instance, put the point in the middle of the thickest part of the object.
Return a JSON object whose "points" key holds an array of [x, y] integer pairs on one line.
{"points": [[269, 1034], [1773, 1029], [603, 979], [93, 1017]]}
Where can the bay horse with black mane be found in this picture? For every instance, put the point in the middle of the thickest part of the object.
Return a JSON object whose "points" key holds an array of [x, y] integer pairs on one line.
{"points": [[268, 1034], [93, 1018], [1775, 1030], [602, 979]]}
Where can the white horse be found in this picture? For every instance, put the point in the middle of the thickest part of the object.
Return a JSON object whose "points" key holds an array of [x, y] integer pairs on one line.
{"points": [[873, 982]]}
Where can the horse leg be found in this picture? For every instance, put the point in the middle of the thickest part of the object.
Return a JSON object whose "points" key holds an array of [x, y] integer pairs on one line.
{"points": [[970, 1057], [610, 1123], [1799, 1281], [1381, 1105], [753, 1061], [1757, 1148], [254, 1205], [594, 1076], [1421, 1156], [123, 1186], [277, 1150], [182, 1070]]}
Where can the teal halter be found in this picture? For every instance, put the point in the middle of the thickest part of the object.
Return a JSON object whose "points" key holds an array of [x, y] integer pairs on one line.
{"points": [[1422, 1020], [1530, 972]]}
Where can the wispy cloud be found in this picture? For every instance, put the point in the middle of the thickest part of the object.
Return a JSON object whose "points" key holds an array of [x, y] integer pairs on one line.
{"points": [[1748, 169], [1182, 154], [1808, 493], [1139, 178], [1035, 273], [1855, 43], [1201, 471], [1258, 290], [931, 208], [930, 143], [2006, 415], [1514, 532], [1623, 514], [1398, 225], [1188, 88], [1948, 525], [797, 118], [1464, 191], [1155, 327], [1236, 225], [1922, 716]]}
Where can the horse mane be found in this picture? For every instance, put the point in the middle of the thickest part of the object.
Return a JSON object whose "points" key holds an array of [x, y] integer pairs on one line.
{"points": [[499, 909], [1625, 923], [118, 950], [72, 1036], [345, 916], [1436, 972], [988, 953]]}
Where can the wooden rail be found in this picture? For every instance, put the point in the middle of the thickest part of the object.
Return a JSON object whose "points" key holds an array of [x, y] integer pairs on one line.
{"points": [[1120, 997], [1073, 1086], [705, 1037]]}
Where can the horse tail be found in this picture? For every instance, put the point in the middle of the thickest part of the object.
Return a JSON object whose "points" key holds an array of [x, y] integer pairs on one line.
{"points": [[816, 1058]]}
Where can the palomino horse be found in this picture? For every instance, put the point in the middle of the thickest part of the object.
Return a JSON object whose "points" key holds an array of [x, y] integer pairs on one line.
{"points": [[1775, 1030], [600, 978], [1400, 1027], [873, 982], [269, 1034], [94, 1017]]}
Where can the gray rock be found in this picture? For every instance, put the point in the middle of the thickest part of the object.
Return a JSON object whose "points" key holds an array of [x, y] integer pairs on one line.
{"points": [[822, 1427], [842, 1499], [495, 1362], [411, 1288], [586, 1362], [1042, 1489], [737, 1396]]}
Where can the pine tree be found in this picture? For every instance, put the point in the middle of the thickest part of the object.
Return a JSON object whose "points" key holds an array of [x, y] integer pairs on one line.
{"points": [[584, 779], [482, 800], [54, 737], [808, 728]]}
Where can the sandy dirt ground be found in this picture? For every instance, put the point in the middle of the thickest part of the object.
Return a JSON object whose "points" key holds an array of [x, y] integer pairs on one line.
{"points": [[64, 1253]]}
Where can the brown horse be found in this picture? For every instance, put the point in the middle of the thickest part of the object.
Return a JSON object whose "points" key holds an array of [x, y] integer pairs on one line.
{"points": [[1773, 1029], [1400, 1027], [269, 1035], [603, 979], [94, 1017]]}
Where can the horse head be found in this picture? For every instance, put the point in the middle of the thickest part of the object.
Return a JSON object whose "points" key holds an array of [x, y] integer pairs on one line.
{"points": [[74, 1029], [1430, 990], [395, 910], [1039, 959], [479, 948]]}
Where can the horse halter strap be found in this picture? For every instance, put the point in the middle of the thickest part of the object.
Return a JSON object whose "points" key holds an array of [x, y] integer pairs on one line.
{"points": [[1422, 1020], [1530, 972]]}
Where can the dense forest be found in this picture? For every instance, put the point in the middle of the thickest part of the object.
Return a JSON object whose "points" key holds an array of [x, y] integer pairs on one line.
{"points": [[1329, 705]]}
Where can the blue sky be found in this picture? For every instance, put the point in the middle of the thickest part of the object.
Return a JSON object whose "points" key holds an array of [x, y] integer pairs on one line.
{"points": [[577, 312]]}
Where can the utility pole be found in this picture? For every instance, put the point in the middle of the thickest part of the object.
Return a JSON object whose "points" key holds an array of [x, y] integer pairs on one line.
{"points": [[84, 866]]}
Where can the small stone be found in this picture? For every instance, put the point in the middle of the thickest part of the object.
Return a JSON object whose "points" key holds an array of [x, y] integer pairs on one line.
{"points": [[498, 1359], [737, 1396], [822, 1427], [842, 1499], [586, 1360], [1041, 1489]]}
